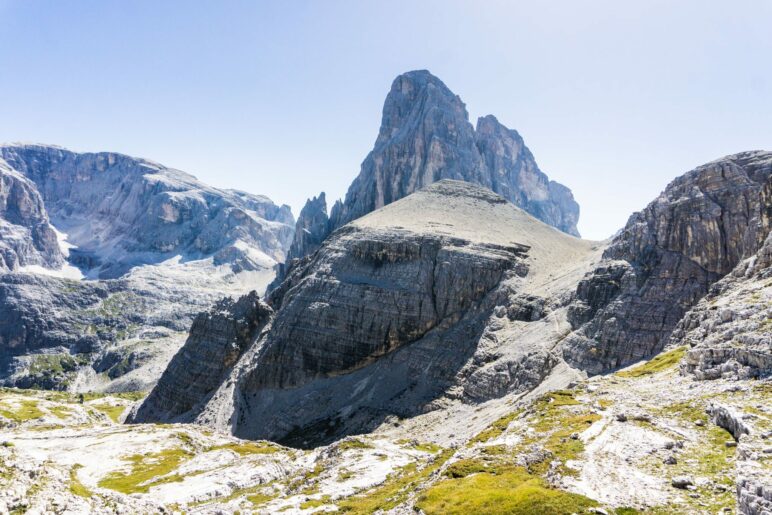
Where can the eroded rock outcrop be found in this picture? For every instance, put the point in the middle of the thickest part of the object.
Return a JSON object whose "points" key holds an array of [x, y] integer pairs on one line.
{"points": [[26, 236], [425, 136], [426, 301], [216, 341], [730, 330], [312, 227], [666, 259]]}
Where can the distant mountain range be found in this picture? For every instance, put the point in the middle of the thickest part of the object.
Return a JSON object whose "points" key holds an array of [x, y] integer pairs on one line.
{"points": [[106, 259]]}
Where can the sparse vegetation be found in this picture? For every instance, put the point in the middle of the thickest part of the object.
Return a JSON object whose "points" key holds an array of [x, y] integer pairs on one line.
{"points": [[419, 446], [257, 495], [146, 471], [21, 411], [395, 490], [112, 411], [50, 364], [497, 428], [76, 487], [660, 363], [345, 474], [247, 448], [509, 491], [61, 412], [353, 443], [315, 503]]}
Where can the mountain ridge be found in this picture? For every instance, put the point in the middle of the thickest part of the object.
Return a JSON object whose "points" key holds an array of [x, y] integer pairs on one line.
{"points": [[425, 136]]}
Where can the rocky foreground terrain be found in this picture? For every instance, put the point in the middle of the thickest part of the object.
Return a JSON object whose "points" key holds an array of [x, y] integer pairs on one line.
{"points": [[643, 440]]}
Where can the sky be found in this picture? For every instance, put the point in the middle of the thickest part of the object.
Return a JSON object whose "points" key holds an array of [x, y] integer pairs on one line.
{"points": [[284, 98]]}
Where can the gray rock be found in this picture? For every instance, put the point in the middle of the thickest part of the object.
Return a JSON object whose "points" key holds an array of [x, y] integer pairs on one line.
{"points": [[666, 259], [727, 418], [731, 343], [128, 218], [395, 314], [425, 136], [312, 227], [26, 236], [217, 340], [121, 211], [682, 482]]}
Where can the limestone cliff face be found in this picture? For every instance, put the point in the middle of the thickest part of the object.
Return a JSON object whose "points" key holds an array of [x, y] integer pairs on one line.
{"points": [[312, 224], [26, 235], [121, 211], [729, 331], [216, 341], [424, 301], [666, 259], [425, 136], [312, 227], [515, 176]]}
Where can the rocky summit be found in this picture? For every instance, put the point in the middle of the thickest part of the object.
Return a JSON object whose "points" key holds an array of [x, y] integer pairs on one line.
{"points": [[426, 136], [106, 259]]}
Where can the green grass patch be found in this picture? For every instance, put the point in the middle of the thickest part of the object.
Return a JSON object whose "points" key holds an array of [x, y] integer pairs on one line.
{"points": [[60, 412], [345, 474], [687, 411], [247, 448], [605, 404], [419, 446], [660, 363], [146, 471], [24, 410], [395, 490], [114, 412], [495, 450], [497, 428], [353, 443], [469, 466], [315, 503], [76, 487], [258, 499], [556, 417], [512, 492]]}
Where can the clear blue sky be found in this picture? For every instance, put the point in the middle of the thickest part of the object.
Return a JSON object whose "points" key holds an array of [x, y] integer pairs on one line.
{"points": [[284, 98]]}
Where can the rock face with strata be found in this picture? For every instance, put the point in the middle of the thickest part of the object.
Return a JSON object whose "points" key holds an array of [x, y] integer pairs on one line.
{"points": [[216, 341], [26, 236], [435, 298], [729, 331], [425, 136], [120, 211], [666, 259]]}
